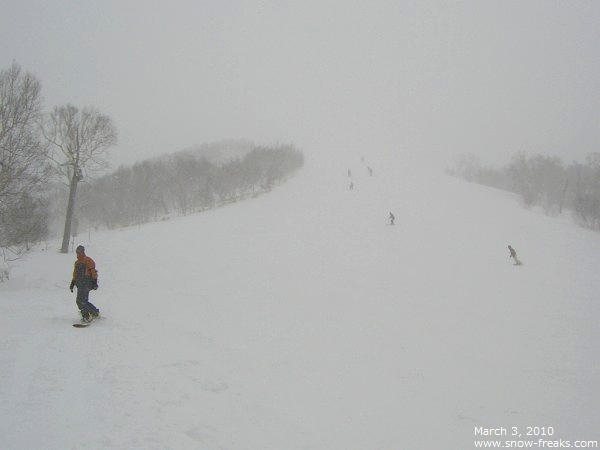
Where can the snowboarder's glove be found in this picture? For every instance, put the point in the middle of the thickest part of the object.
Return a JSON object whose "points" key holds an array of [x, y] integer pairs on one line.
{"points": [[94, 284], [72, 285]]}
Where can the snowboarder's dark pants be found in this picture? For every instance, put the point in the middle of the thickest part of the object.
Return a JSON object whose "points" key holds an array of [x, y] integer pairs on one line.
{"points": [[83, 302]]}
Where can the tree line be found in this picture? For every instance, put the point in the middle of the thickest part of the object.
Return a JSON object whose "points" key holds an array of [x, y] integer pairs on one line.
{"points": [[57, 155], [543, 181], [181, 184]]}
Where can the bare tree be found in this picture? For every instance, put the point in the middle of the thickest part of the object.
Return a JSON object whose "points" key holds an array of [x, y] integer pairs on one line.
{"points": [[23, 163], [80, 140]]}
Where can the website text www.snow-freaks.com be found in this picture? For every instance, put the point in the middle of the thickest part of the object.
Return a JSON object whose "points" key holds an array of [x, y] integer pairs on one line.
{"points": [[532, 437], [540, 443]]}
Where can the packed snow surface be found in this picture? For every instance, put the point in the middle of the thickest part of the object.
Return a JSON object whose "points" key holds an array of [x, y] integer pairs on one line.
{"points": [[301, 319]]}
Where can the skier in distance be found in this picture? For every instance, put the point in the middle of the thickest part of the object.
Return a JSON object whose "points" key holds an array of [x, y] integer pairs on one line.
{"points": [[513, 255]]}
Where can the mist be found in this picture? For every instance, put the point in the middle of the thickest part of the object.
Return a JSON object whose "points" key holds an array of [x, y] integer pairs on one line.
{"points": [[302, 317], [430, 79]]}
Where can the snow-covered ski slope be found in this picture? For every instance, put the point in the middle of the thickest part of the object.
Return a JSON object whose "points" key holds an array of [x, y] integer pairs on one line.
{"points": [[302, 320]]}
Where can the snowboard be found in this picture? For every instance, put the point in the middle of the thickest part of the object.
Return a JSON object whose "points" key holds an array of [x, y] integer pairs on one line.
{"points": [[85, 324]]}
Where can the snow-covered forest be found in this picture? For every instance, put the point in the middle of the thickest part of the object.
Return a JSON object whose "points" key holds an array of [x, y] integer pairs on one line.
{"points": [[544, 181], [54, 171], [183, 183]]}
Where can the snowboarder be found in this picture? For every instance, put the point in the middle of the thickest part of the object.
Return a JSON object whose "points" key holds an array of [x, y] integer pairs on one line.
{"points": [[85, 277], [513, 255], [392, 218]]}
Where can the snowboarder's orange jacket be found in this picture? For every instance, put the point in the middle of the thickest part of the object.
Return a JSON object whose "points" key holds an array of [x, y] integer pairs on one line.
{"points": [[90, 267]]}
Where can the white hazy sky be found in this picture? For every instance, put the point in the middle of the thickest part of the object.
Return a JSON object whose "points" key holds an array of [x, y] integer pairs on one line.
{"points": [[438, 78]]}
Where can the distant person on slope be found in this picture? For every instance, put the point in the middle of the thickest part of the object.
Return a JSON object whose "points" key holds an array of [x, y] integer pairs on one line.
{"points": [[85, 277], [392, 218], [513, 255]]}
